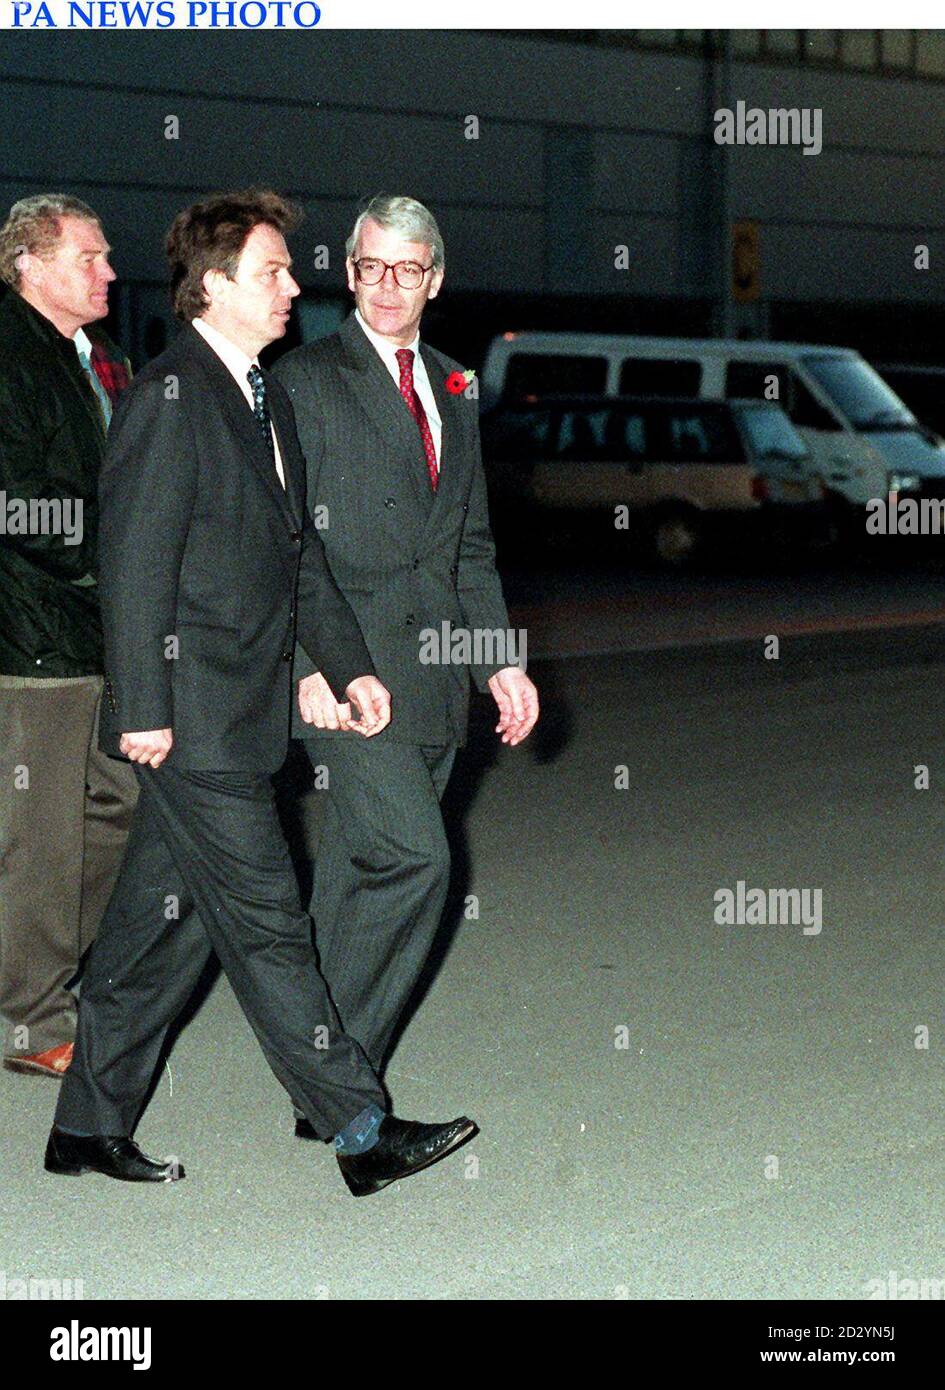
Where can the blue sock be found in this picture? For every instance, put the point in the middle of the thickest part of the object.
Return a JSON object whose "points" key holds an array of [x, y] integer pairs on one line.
{"points": [[360, 1134]]}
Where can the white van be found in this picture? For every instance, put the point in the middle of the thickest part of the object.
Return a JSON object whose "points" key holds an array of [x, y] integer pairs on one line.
{"points": [[863, 441]]}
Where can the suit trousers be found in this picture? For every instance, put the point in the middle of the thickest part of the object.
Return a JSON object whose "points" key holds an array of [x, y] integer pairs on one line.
{"points": [[65, 813], [207, 869], [381, 876]]}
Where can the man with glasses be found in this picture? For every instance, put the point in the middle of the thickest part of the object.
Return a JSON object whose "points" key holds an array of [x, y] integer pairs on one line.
{"points": [[395, 478]]}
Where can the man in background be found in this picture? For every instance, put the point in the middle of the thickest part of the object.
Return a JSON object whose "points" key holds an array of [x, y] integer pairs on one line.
{"points": [[65, 808]]}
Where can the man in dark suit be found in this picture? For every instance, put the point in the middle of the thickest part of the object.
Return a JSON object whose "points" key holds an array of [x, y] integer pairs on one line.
{"points": [[209, 567], [395, 481]]}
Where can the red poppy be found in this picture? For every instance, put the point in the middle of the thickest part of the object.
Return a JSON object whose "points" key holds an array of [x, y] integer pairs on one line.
{"points": [[456, 383]]}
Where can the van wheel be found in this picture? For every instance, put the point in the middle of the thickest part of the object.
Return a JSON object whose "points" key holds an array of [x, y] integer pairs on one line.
{"points": [[677, 537]]}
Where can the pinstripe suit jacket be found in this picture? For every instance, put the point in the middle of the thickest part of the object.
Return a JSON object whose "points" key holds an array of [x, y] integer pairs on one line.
{"points": [[407, 559]]}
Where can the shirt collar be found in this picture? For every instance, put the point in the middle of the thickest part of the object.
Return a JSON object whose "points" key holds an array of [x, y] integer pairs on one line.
{"points": [[232, 357], [387, 350], [83, 343]]}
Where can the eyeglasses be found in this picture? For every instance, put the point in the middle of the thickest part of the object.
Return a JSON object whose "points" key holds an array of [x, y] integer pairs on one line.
{"points": [[408, 274]]}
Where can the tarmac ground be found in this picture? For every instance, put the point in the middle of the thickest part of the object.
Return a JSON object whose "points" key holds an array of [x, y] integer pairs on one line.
{"points": [[670, 1106]]}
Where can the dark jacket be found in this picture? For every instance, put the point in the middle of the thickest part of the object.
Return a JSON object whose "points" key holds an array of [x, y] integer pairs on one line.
{"points": [[203, 555], [407, 559], [52, 439]]}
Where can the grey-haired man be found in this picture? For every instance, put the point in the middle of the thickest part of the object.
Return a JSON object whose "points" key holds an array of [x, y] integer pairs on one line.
{"points": [[394, 468]]}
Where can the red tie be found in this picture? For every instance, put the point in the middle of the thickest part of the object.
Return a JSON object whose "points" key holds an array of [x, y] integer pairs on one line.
{"points": [[415, 406]]}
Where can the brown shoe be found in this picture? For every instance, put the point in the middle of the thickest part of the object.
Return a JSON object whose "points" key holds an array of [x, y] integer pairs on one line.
{"points": [[53, 1062]]}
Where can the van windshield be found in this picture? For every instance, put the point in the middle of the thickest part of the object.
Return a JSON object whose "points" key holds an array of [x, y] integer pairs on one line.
{"points": [[860, 393]]}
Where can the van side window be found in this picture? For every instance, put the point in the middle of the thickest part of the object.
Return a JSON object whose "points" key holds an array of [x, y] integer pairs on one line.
{"points": [[701, 436], [552, 374], [519, 435], [759, 381], [775, 381], [655, 376], [806, 411], [582, 434]]}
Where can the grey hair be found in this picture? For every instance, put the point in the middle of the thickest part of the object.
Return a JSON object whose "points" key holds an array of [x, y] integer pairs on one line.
{"points": [[34, 225], [396, 213]]}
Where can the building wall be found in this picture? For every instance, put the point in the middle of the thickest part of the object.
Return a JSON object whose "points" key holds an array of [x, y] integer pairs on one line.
{"points": [[582, 147]]}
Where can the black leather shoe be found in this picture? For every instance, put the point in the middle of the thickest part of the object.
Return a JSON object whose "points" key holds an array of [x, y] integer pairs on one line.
{"points": [[303, 1129], [115, 1155], [403, 1147]]}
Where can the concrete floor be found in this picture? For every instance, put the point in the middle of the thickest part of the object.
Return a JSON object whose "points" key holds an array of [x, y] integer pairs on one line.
{"points": [[603, 1172]]}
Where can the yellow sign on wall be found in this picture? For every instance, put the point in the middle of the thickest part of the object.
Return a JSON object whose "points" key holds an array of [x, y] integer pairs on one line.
{"points": [[746, 262]]}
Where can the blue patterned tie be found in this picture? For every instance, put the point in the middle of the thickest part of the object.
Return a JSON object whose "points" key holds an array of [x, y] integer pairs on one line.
{"points": [[260, 409]]}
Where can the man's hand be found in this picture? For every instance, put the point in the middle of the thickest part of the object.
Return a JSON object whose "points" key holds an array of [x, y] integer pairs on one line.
{"points": [[517, 699], [373, 700], [151, 747], [318, 706]]}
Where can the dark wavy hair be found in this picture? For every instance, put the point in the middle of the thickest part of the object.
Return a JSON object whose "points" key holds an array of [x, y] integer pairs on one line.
{"points": [[211, 236]]}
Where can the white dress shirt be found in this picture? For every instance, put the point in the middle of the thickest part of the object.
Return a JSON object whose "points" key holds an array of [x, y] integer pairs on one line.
{"points": [[388, 354], [238, 364]]}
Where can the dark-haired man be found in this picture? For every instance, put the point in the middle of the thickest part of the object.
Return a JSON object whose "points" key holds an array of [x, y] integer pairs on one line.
{"points": [[209, 568]]}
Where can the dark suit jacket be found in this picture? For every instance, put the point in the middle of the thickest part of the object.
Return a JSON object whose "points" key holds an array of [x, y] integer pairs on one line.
{"points": [[200, 543], [406, 558]]}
